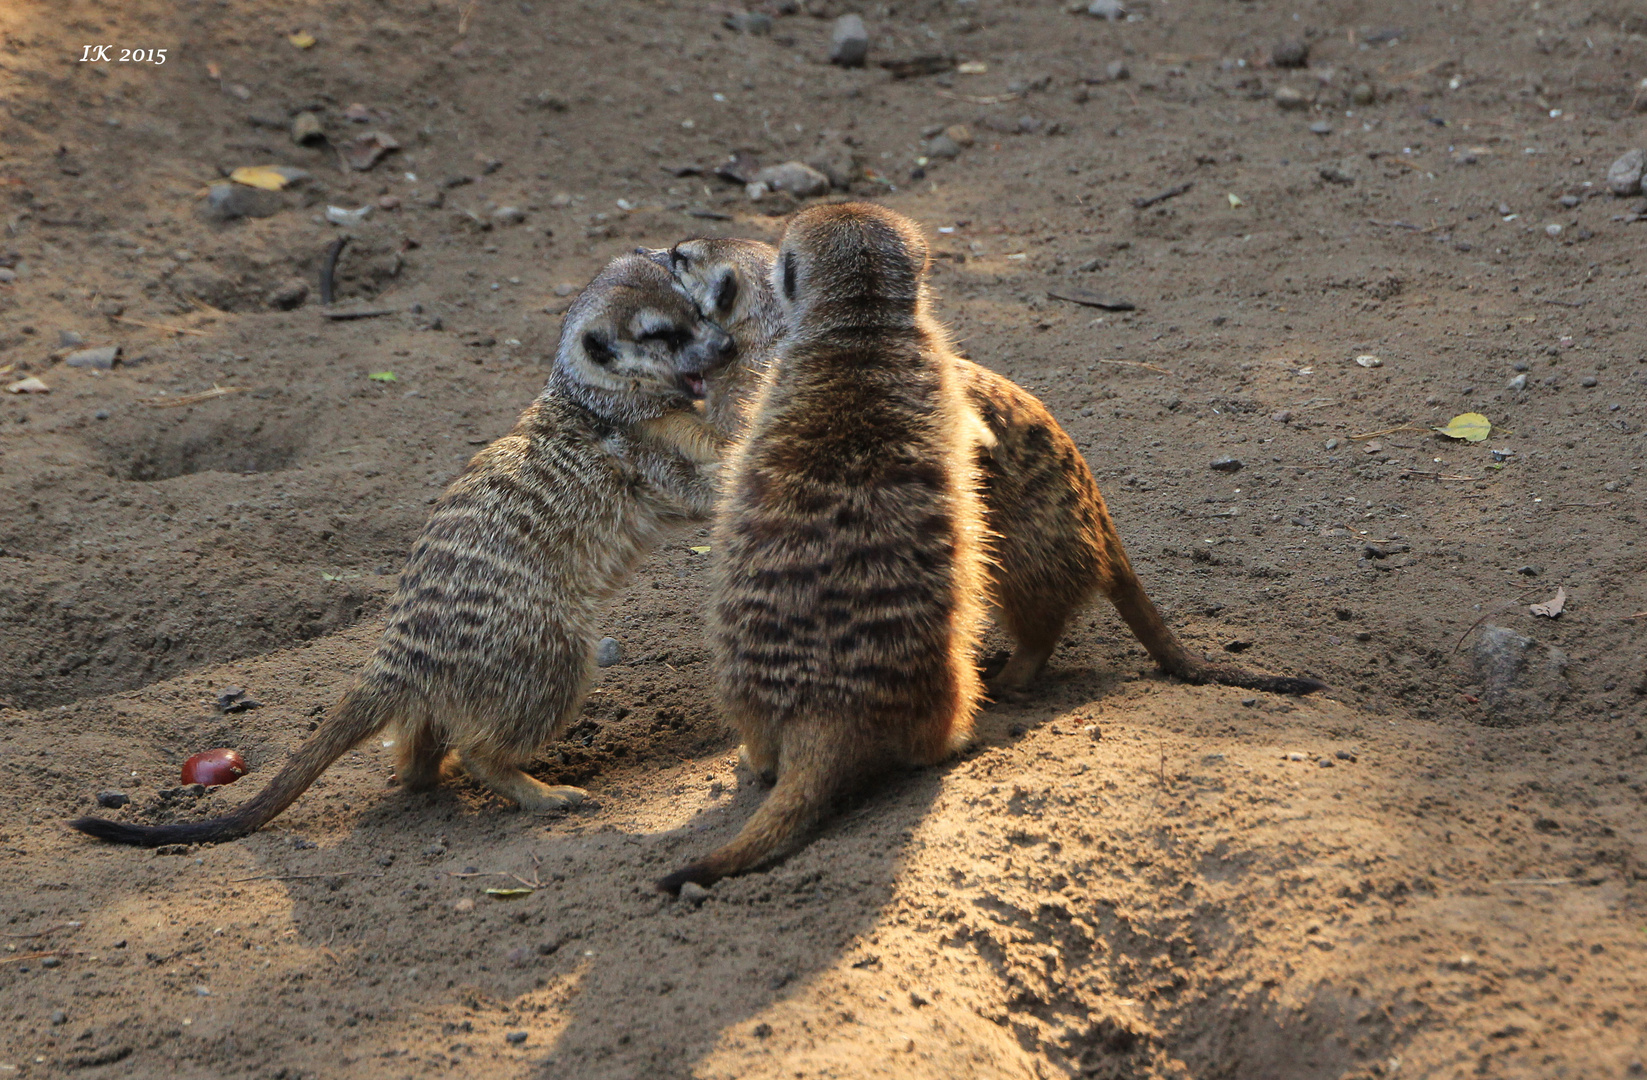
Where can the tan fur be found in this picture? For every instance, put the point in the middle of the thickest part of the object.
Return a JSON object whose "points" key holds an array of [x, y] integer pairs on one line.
{"points": [[849, 537], [488, 651], [1052, 544]]}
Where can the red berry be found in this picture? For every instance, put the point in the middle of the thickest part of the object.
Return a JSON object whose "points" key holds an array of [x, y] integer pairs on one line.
{"points": [[214, 767]]}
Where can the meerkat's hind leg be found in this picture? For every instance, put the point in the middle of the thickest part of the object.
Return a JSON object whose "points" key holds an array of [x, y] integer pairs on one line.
{"points": [[421, 764], [1035, 636], [528, 792]]}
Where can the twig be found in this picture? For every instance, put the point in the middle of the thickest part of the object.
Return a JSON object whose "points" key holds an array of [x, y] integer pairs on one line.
{"points": [[1138, 363], [1502, 608], [192, 399], [1564, 506], [304, 877], [1536, 881], [27, 956], [1088, 298], [1563, 303], [980, 99], [1440, 476], [463, 19], [1146, 201], [358, 313], [159, 326], [1390, 431], [1395, 224], [328, 267], [1637, 615], [47, 930]]}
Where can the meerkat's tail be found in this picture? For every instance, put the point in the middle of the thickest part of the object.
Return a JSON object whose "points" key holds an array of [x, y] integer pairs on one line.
{"points": [[364, 711], [804, 793], [1144, 618]]}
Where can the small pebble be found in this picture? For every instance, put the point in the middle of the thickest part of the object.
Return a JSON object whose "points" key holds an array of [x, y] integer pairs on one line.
{"points": [[1611, 485], [508, 215], [68, 339], [693, 893], [1326, 763], [1290, 99], [849, 42], [1294, 755], [464, 906], [112, 800], [1363, 94], [608, 651], [798, 178], [437, 848], [1518, 384], [306, 129], [1553, 229], [1320, 127], [100, 414], [102, 359], [1569, 201], [1345, 755], [7, 274], [1250, 702], [58, 1016], [1112, 10], [1624, 175], [1291, 53], [51, 962], [565, 288], [1282, 416], [1332, 444], [515, 1038], [1521, 365], [289, 295], [1588, 380], [1117, 70], [1225, 464]]}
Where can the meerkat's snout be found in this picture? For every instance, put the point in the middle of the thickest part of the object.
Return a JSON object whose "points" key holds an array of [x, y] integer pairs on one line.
{"points": [[712, 351], [661, 256]]}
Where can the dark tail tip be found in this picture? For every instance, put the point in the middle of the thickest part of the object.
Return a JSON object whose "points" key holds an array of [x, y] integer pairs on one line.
{"points": [[1284, 684], [155, 835], [697, 874], [1203, 671]]}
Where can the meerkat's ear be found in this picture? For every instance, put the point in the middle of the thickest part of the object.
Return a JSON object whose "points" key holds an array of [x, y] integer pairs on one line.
{"points": [[597, 349], [789, 276], [726, 292]]}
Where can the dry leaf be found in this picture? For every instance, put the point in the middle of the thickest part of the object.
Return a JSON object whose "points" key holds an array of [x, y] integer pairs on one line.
{"points": [[30, 385], [704, 550], [1470, 426], [1368, 360], [1235, 200], [972, 67], [266, 177], [509, 894], [364, 151], [302, 39], [1551, 607]]}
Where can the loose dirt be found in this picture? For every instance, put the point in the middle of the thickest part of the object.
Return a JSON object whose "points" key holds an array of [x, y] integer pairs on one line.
{"points": [[1413, 874]]}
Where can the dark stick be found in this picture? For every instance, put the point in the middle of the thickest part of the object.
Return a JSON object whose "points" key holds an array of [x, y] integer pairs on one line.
{"points": [[1170, 193], [328, 268]]}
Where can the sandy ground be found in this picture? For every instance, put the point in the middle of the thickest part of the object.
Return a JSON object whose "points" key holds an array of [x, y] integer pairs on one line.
{"points": [[1430, 870]]}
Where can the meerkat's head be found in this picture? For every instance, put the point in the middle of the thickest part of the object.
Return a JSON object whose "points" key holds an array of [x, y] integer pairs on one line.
{"points": [[631, 332], [725, 277], [850, 264]]}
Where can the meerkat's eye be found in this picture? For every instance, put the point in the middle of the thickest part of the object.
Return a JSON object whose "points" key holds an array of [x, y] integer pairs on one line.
{"points": [[789, 276], [726, 293], [597, 349]]}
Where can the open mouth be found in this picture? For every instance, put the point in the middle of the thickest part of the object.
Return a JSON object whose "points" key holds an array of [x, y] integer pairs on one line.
{"points": [[693, 385]]}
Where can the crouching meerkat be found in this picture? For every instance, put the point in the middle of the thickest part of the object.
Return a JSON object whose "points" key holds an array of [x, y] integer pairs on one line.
{"points": [[488, 651], [848, 539], [1051, 541]]}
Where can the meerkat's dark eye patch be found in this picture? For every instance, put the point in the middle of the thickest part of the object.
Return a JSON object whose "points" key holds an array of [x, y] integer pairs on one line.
{"points": [[789, 276], [673, 337], [598, 349], [726, 293]]}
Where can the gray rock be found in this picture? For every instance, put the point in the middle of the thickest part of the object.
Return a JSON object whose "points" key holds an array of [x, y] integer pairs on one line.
{"points": [[839, 163], [1117, 70], [112, 800], [1522, 682], [1624, 175], [508, 215], [51, 962], [1588, 381], [58, 1016], [225, 202], [942, 146], [1107, 9], [515, 1038], [1518, 384], [306, 129], [849, 42], [289, 295], [796, 177], [693, 893], [7, 274], [102, 358], [1226, 464], [1569, 201], [608, 651], [1291, 53], [1363, 94], [1320, 127], [69, 339]]}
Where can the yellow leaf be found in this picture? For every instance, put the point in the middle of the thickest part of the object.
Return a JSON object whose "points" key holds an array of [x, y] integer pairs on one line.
{"points": [[972, 67], [1235, 200], [704, 550], [509, 894], [1470, 426], [258, 176], [302, 39], [389, 376]]}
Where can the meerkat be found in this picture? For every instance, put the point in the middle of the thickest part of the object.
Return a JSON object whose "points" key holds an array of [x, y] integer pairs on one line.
{"points": [[848, 538], [1051, 541], [488, 650]]}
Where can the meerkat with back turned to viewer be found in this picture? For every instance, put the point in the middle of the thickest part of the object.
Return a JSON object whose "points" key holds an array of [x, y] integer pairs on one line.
{"points": [[488, 651], [848, 538], [1051, 543]]}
